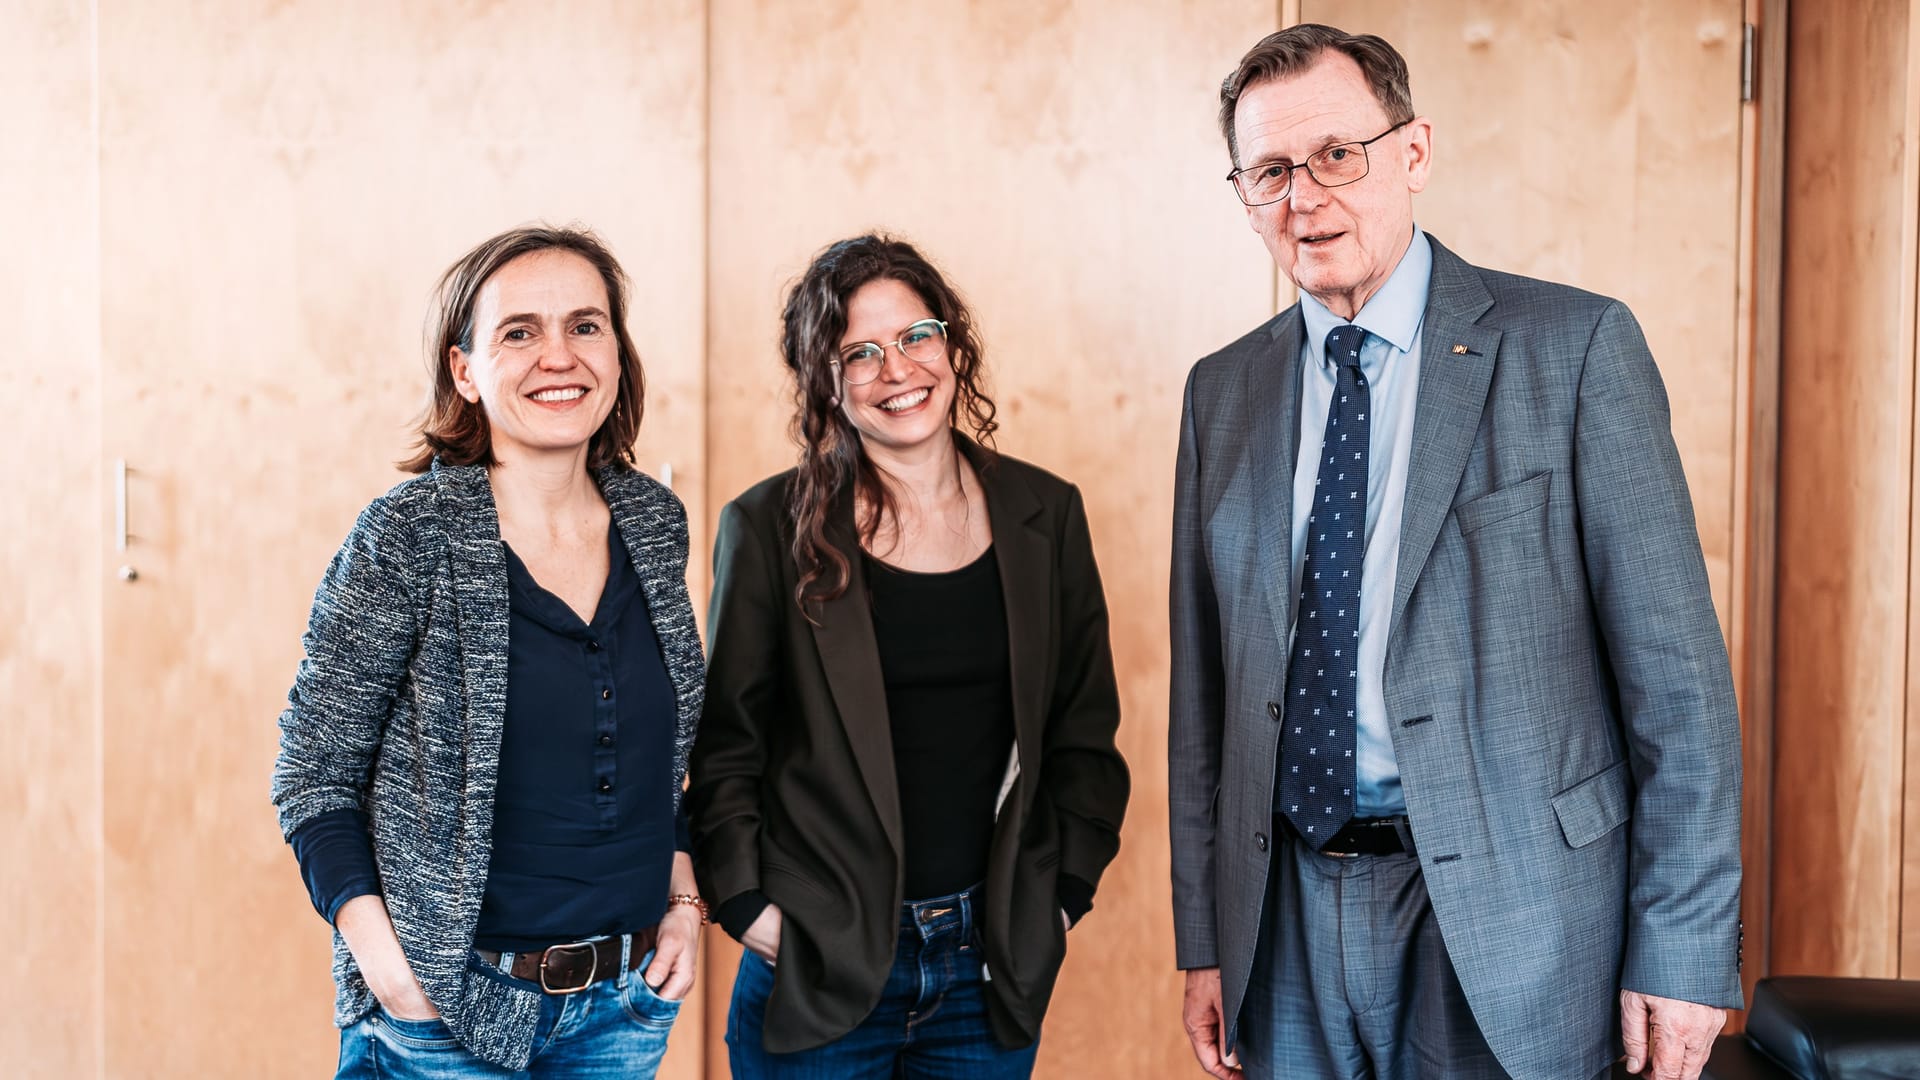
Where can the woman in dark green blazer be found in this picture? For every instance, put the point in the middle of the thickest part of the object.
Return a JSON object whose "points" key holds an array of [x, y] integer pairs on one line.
{"points": [[905, 786]]}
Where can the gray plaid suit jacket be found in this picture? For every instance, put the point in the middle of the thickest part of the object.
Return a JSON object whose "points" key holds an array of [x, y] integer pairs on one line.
{"points": [[1562, 708]]}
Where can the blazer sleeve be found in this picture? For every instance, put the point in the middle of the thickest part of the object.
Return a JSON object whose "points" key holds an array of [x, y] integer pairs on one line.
{"points": [[359, 642], [1194, 713], [1649, 587], [743, 670], [1083, 773]]}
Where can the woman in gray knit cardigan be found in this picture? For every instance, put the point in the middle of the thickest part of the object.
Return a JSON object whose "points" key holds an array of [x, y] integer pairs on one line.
{"points": [[482, 755]]}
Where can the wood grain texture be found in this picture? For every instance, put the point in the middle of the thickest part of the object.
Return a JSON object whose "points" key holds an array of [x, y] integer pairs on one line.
{"points": [[1756, 467], [281, 185], [51, 548], [1908, 941], [1060, 162], [1846, 431], [1597, 145], [1606, 147]]}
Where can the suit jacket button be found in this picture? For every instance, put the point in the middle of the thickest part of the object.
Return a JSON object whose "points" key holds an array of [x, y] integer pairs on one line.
{"points": [[1273, 709], [1260, 840]]}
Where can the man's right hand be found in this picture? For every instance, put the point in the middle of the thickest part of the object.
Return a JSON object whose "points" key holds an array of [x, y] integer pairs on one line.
{"points": [[763, 937], [1207, 1025]]}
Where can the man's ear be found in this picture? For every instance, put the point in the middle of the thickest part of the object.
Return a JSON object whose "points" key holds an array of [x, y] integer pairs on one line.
{"points": [[1419, 153]]}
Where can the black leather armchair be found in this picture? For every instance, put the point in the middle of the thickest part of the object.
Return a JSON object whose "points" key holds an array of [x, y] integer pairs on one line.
{"points": [[1805, 1028]]}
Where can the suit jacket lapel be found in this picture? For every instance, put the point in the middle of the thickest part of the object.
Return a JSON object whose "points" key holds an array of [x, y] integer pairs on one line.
{"points": [[1453, 391], [1025, 554], [850, 656], [1272, 401]]}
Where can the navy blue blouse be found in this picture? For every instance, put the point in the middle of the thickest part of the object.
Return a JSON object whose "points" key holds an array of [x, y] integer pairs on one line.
{"points": [[584, 828]]}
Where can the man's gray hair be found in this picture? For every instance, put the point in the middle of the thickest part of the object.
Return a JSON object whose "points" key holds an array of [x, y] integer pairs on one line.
{"points": [[1295, 49]]}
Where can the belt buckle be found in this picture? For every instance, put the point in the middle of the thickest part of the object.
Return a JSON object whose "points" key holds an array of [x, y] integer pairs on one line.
{"points": [[593, 967], [1341, 854]]}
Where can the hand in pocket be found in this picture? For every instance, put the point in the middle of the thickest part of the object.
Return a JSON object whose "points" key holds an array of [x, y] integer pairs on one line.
{"points": [[763, 937]]}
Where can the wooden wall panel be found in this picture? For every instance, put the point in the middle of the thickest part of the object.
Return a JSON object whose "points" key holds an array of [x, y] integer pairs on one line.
{"points": [[1607, 147], [1061, 163], [1908, 944], [1597, 145], [50, 547], [281, 184], [1846, 438]]}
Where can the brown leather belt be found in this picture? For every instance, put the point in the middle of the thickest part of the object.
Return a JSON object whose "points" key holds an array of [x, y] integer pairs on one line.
{"points": [[571, 968]]}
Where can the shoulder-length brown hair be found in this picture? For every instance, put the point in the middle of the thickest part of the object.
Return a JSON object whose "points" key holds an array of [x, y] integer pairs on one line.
{"points": [[831, 457], [454, 429]]}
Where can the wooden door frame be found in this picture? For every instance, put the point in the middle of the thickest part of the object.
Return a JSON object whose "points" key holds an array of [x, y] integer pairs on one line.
{"points": [[1756, 462]]}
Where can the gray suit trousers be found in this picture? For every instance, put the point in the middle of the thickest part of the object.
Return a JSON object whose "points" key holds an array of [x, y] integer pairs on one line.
{"points": [[1351, 979]]}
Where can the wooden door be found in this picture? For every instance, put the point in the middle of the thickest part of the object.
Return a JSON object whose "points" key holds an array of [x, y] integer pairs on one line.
{"points": [[1060, 162], [1607, 146], [280, 186], [1597, 145], [50, 544]]}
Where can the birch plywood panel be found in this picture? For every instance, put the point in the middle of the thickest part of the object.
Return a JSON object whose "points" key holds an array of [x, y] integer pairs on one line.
{"points": [[1060, 161], [50, 561], [1598, 145], [281, 184], [1602, 146]]}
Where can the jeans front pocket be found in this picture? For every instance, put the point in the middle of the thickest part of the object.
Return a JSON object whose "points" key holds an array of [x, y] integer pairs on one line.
{"points": [[643, 1004], [413, 1034]]}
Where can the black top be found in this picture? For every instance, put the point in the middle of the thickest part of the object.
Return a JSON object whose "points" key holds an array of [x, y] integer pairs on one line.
{"points": [[944, 659], [584, 828], [943, 656]]}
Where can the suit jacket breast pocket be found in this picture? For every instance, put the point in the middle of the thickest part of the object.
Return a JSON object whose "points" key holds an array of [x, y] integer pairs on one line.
{"points": [[1510, 501]]}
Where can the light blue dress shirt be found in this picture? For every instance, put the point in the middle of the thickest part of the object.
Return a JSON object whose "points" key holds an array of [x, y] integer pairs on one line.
{"points": [[1390, 359]]}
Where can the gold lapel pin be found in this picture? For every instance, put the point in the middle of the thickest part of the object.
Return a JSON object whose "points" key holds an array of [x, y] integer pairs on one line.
{"points": [[1459, 350]]}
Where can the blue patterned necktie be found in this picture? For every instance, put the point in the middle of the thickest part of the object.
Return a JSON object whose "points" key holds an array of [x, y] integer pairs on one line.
{"points": [[1317, 742]]}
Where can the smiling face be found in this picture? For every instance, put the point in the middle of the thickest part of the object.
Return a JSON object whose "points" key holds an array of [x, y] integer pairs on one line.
{"points": [[908, 408], [545, 364], [1338, 244]]}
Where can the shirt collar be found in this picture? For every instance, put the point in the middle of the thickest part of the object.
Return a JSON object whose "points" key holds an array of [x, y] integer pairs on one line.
{"points": [[1393, 314]]}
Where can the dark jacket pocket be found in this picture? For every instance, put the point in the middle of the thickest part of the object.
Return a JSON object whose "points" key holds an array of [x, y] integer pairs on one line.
{"points": [[771, 869], [1507, 502], [1595, 806]]}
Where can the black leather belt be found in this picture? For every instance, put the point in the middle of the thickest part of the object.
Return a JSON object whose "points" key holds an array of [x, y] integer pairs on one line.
{"points": [[1366, 836]]}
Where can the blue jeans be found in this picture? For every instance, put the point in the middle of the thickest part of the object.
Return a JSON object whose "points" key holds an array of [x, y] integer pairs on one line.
{"points": [[930, 1024], [614, 1028]]}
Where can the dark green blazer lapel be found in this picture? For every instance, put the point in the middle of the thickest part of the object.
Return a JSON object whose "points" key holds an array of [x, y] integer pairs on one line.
{"points": [[850, 656], [1024, 551], [1456, 369]]}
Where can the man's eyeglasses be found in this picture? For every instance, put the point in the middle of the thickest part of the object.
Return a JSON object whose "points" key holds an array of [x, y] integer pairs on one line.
{"points": [[1336, 166], [923, 343]]}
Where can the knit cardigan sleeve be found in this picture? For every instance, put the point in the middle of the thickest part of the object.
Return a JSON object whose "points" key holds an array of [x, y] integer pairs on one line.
{"points": [[360, 639]]}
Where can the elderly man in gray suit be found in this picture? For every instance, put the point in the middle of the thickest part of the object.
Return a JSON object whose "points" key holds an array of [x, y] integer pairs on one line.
{"points": [[1453, 757]]}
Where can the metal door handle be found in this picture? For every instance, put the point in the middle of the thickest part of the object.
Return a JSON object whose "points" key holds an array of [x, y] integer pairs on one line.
{"points": [[119, 504], [120, 535]]}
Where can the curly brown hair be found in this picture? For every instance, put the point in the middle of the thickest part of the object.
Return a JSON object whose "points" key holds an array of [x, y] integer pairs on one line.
{"points": [[456, 430], [832, 458]]}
